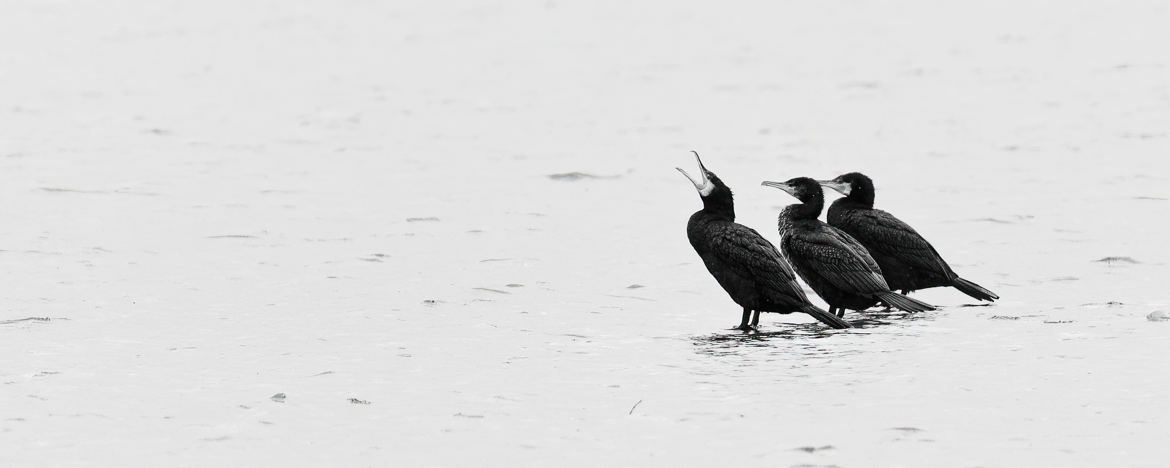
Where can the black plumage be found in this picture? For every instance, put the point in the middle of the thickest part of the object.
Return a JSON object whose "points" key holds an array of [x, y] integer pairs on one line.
{"points": [[834, 264], [907, 260], [745, 264]]}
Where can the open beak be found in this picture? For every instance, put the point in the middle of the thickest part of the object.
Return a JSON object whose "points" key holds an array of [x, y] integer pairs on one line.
{"points": [[780, 185], [841, 187], [703, 185]]}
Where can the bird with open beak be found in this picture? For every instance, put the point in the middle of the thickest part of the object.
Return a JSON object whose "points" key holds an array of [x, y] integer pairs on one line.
{"points": [[745, 264]]}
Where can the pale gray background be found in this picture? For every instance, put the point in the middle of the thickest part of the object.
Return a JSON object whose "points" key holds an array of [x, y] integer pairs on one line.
{"points": [[211, 204]]}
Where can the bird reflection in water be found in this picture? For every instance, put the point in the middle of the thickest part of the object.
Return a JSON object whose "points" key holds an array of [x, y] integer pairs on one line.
{"points": [[807, 339]]}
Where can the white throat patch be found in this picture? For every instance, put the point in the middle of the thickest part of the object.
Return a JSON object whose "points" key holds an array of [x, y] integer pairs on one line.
{"points": [[707, 188]]}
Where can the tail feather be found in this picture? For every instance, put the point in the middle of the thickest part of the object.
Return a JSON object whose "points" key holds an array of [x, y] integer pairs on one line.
{"points": [[901, 302], [825, 317], [974, 290]]}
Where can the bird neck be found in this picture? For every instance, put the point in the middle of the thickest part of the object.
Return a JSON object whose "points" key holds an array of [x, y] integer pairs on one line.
{"points": [[862, 197], [809, 209], [719, 206]]}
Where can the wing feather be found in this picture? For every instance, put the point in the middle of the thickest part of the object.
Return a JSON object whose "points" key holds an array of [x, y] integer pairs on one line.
{"points": [[838, 258], [746, 253], [882, 231]]}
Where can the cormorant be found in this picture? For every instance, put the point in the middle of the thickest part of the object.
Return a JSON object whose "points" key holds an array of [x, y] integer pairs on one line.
{"points": [[834, 264], [747, 266], [908, 261]]}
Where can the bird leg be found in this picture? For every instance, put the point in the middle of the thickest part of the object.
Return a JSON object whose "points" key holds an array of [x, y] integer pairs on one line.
{"points": [[743, 323], [756, 319]]}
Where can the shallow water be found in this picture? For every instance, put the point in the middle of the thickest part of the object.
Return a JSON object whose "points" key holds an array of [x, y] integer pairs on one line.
{"points": [[453, 235]]}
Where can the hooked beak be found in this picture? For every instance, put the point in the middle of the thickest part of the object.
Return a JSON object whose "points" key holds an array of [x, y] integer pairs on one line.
{"points": [[780, 185], [841, 187], [703, 185]]}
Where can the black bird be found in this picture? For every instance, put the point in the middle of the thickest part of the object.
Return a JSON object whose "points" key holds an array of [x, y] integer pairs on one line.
{"points": [[908, 261], [834, 264], [747, 266]]}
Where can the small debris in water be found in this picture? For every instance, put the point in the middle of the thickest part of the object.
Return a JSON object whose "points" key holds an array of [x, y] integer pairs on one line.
{"points": [[493, 290], [430, 301], [1013, 219], [1058, 321], [26, 319], [1158, 316], [573, 176], [1106, 304], [633, 407], [1112, 260], [69, 190], [471, 416], [907, 429], [634, 286], [1004, 317], [630, 297], [514, 285], [358, 402], [416, 220], [279, 398], [811, 449], [322, 373]]}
